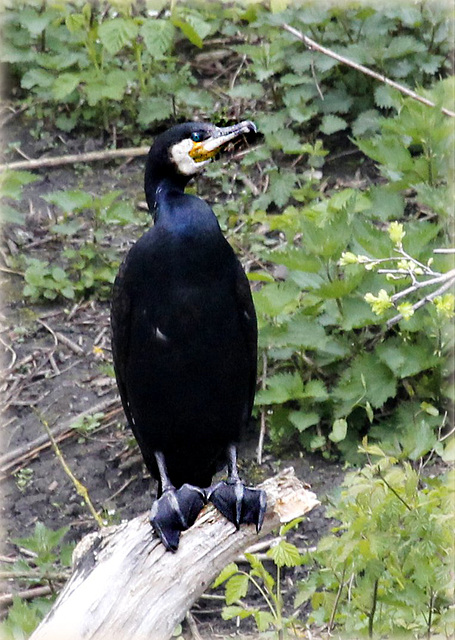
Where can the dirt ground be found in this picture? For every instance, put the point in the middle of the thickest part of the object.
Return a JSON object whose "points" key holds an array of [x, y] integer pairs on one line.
{"points": [[56, 367]]}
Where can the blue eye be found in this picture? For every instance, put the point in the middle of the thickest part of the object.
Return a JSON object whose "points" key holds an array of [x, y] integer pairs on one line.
{"points": [[196, 137]]}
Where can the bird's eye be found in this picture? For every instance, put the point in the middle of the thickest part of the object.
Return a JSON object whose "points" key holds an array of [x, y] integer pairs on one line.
{"points": [[196, 137]]}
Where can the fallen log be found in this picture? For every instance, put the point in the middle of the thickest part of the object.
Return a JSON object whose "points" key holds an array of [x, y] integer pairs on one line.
{"points": [[126, 585]]}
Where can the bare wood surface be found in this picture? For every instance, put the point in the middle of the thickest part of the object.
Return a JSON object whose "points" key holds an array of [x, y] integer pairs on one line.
{"points": [[315, 46], [126, 585]]}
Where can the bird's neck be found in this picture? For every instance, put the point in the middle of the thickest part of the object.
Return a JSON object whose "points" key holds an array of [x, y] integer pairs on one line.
{"points": [[157, 180]]}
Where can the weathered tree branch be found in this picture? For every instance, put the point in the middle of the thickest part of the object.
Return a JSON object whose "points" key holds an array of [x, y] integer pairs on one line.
{"points": [[126, 585], [314, 46], [91, 156]]}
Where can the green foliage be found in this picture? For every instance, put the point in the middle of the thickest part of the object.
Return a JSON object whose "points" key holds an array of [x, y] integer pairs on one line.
{"points": [[23, 478], [46, 563], [269, 615], [89, 263], [320, 325], [11, 188], [385, 570], [85, 425], [98, 64]]}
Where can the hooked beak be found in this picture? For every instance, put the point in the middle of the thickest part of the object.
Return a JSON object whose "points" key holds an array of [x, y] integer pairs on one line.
{"points": [[221, 137]]}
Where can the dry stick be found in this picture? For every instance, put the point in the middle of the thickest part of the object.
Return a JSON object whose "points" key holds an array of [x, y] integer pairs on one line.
{"points": [[444, 277], [10, 458], [423, 302], [263, 423], [27, 594], [312, 45], [80, 488], [75, 158]]}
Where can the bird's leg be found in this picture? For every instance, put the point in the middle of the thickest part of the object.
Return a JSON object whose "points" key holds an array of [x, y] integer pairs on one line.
{"points": [[239, 504], [176, 509]]}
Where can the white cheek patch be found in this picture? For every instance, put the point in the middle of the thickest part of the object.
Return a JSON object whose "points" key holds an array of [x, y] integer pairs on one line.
{"points": [[180, 156]]}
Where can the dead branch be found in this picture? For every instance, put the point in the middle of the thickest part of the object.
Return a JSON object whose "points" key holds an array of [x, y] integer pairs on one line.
{"points": [[91, 156], [126, 585], [7, 599], [314, 46], [11, 458]]}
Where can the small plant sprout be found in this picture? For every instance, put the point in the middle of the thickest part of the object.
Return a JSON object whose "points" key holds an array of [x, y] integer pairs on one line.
{"points": [[270, 613], [23, 478]]}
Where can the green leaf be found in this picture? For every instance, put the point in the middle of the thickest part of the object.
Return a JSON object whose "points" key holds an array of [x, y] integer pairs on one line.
{"points": [[448, 454], [235, 611], [264, 620], [365, 122], [281, 185], [419, 440], [37, 77], [12, 183], [248, 90], [65, 84], [339, 430], [330, 124], [280, 388], [406, 359], [192, 26], [276, 298], [236, 587], [303, 420], [316, 390], [158, 36], [154, 109], [227, 573], [116, 33], [34, 21], [367, 378], [10, 215], [70, 201]]}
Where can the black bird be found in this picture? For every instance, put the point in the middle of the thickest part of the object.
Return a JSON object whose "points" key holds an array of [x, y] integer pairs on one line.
{"points": [[184, 340]]}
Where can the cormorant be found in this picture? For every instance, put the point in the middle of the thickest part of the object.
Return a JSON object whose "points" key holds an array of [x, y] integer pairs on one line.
{"points": [[184, 340]]}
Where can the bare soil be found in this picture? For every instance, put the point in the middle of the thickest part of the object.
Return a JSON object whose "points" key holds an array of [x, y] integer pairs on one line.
{"points": [[56, 366]]}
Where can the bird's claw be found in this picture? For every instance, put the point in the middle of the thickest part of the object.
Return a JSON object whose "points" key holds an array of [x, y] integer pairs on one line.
{"points": [[239, 504], [175, 511]]}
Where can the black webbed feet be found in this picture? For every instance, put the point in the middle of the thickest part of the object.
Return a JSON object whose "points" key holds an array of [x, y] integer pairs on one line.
{"points": [[175, 511], [239, 504]]}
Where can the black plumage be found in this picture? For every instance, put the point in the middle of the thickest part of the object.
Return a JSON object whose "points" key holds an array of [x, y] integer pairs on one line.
{"points": [[184, 339]]}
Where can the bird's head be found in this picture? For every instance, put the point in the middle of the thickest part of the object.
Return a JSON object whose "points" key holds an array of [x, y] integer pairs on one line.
{"points": [[187, 148]]}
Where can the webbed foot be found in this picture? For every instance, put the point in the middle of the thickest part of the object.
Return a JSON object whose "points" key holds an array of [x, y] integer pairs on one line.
{"points": [[174, 511], [239, 504]]}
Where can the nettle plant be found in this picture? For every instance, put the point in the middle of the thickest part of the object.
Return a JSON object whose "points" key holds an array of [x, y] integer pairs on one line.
{"points": [[331, 370], [385, 569], [93, 65], [88, 264]]}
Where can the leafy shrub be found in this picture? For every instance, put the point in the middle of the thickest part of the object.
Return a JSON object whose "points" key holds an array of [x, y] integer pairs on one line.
{"points": [[387, 570], [332, 369], [97, 64], [269, 614], [51, 558], [89, 263]]}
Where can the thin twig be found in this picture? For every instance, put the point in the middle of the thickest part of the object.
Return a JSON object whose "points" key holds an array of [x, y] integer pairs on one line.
{"points": [[193, 626], [80, 488], [27, 594], [449, 275], [11, 458], [263, 423], [424, 301], [70, 344], [314, 46], [91, 156]]}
